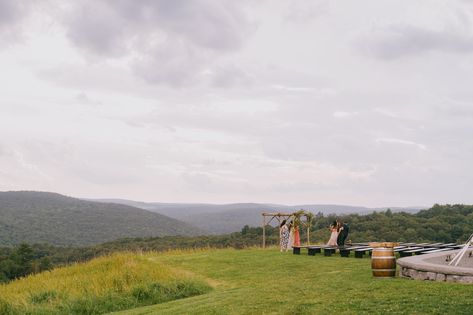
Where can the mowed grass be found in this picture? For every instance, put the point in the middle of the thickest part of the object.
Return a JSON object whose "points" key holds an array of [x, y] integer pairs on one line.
{"points": [[256, 281], [116, 282], [228, 281]]}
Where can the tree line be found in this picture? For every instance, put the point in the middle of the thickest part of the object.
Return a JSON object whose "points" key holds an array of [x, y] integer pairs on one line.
{"points": [[441, 223]]}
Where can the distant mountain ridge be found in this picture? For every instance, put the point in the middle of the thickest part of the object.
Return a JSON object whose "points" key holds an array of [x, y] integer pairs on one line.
{"points": [[226, 218], [43, 217]]}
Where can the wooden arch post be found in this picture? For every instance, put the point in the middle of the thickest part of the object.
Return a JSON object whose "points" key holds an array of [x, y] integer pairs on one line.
{"points": [[280, 216]]}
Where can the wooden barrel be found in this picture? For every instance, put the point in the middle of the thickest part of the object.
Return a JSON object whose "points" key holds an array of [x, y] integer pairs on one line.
{"points": [[383, 244], [383, 262]]}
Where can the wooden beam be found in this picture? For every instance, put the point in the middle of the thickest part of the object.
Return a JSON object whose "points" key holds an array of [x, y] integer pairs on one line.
{"points": [[277, 214], [264, 232]]}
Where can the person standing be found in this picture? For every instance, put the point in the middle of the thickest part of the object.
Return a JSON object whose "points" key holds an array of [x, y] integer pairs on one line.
{"points": [[343, 234], [283, 236], [334, 229], [297, 237], [290, 243]]}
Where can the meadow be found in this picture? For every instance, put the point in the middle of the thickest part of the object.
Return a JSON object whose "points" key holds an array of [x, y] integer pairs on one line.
{"points": [[252, 281], [109, 283]]}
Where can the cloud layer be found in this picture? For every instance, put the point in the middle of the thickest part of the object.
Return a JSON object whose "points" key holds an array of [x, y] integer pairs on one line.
{"points": [[224, 101]]}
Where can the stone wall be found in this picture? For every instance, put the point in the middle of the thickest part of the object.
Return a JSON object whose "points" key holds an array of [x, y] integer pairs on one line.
{"points": [[433, 267], [412, 273]]}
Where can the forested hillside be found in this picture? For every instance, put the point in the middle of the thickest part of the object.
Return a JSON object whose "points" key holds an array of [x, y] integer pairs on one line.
{"points": [[38, 217], [227, 218]]}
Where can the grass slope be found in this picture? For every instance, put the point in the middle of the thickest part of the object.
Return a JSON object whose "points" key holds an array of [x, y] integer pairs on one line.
{"points": [[268, 282], [39, 217], [105, 284]]}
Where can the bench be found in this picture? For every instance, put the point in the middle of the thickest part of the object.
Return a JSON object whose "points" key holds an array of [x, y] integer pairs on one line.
{"points": [[312, 250], [397, 249], [296, 250], [438, 245], [345, 250], [361, 251], [328, 251], [448, 245], [360, 244], [423, 245], [424, 250], [417, 251], [407, 249], [436, 250]]}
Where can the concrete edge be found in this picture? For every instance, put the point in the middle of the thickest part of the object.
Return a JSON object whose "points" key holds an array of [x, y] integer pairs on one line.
{"points": [[419, 263]]}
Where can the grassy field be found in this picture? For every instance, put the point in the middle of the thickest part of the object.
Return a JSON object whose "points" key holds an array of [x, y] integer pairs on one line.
{"points": [[110, 283], [267, 282], [228, 281]]}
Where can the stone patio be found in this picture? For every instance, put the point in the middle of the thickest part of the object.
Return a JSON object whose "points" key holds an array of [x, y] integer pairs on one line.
{"points": [[435, 267]]}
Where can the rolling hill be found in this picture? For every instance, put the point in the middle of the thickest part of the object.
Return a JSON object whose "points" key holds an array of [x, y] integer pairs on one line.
{"points": [[40, 217], [229, 218]]}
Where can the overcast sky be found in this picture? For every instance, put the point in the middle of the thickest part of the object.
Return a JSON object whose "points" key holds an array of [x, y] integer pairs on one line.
{"points": [[349, 102]]}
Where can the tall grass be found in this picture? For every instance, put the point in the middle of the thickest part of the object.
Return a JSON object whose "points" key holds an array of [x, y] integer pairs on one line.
{"points": [[105, 284]]}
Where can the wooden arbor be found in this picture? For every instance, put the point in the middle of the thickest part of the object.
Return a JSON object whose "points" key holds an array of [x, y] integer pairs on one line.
{"points": [[295, 216]]}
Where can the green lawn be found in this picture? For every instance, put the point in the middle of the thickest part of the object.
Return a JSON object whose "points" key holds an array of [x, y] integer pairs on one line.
{"points": [[255, 281]]}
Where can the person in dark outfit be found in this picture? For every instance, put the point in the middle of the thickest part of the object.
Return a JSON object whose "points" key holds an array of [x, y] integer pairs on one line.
{"points": [[342, 236]]}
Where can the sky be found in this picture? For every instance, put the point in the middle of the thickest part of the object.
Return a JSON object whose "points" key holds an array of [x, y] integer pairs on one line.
{"points": [[364, 103]]}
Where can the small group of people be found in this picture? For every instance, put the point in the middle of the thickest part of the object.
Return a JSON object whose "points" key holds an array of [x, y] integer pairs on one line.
{"points": [[339, 233], [288, 235]]}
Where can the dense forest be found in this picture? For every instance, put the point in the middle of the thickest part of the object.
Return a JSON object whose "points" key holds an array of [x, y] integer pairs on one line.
{"points": [[40, 217], [441, 223]]}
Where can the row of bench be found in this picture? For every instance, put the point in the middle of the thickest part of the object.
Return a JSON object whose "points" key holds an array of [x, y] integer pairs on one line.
{"points": [[361, 249]]}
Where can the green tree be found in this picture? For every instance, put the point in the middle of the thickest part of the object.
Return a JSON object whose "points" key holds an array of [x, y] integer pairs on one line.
{"points": [[23, 258]]}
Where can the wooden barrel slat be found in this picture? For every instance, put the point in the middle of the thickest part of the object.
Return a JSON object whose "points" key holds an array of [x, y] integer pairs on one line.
{"points": [[383, 262]]}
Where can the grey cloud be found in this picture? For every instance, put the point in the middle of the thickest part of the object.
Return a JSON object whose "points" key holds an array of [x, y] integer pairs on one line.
{"points": [[397, 41], [12, 13], [9, 10], [306, 10], [175, 66], [171, 42], [211, 24], [230, 76], [83, 98], [97, 28]]}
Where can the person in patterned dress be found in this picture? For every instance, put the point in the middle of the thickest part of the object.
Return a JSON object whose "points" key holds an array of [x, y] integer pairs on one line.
{"points": [[283, 236]]}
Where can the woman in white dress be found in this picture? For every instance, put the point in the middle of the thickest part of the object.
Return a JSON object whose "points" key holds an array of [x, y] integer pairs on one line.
{"points": [[335, 229]]}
